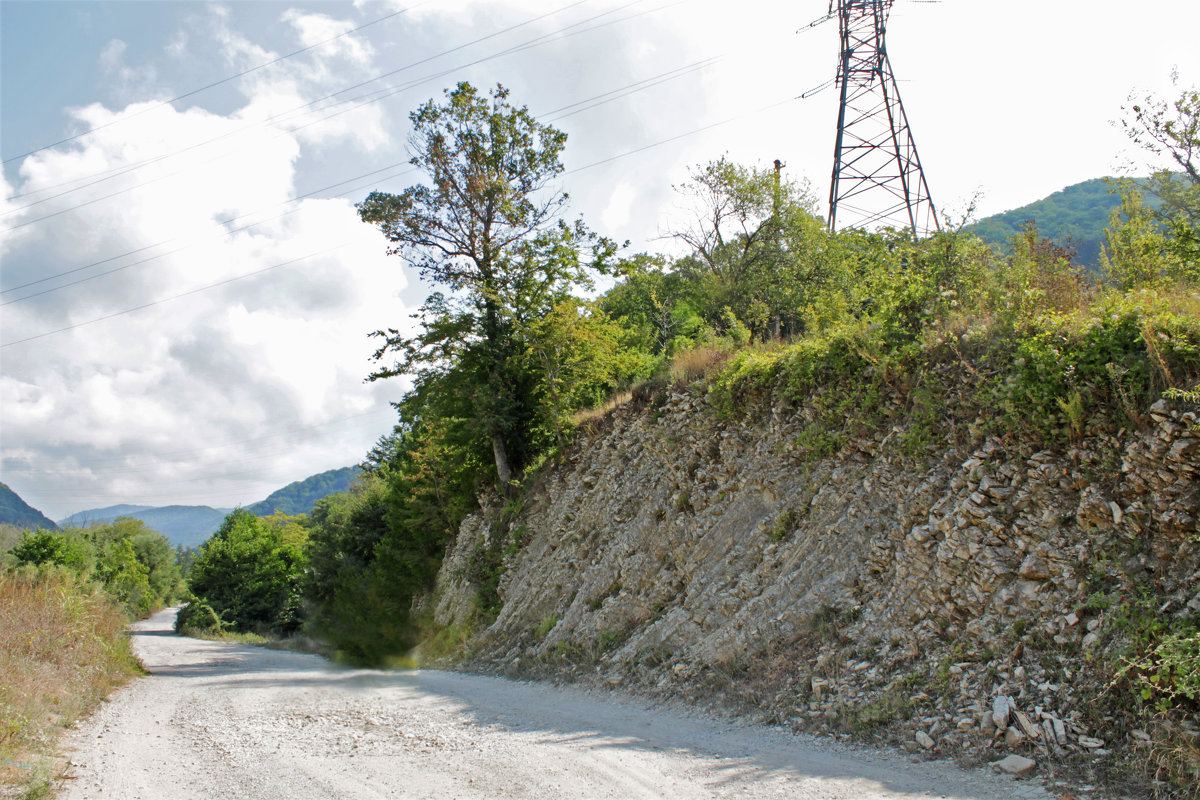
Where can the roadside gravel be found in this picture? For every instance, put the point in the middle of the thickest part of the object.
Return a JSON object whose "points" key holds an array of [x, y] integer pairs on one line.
{"points": [[217, 720]]}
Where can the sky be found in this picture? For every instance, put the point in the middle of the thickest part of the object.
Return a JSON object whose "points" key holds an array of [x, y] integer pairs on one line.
{"points": [[186, 291]]}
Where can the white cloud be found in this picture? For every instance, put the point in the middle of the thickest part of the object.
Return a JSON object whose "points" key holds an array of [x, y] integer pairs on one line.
{"points": [[316, 28], [96, 414], [620, 203], [124, 80]]}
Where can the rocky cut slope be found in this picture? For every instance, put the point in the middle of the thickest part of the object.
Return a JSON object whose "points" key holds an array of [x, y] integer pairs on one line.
{"points": [[969, 603]]}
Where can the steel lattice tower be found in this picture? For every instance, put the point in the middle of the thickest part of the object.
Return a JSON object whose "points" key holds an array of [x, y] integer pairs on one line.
{"points": [[877, 176]]}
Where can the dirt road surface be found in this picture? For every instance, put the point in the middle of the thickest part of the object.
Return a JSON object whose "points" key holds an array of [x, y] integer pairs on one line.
{"points": [[217, 720]]}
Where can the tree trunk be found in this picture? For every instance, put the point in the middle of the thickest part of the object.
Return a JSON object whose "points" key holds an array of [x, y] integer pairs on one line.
{"points": [[503, 468]]}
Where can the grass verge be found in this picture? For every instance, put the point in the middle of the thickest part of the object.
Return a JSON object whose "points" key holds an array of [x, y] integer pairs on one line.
{"points": [[62, 650]]}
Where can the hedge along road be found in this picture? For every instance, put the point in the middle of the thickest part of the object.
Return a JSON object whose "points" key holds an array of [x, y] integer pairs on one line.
{"points": [[219, 720]]}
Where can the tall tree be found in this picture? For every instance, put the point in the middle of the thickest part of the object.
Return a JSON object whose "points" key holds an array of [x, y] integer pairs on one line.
{"points": [[1171, 130], [753, 239], [487, 226]]}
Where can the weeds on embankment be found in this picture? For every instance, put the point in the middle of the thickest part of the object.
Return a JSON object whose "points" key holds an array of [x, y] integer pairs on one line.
{"points": [[62, 650]]}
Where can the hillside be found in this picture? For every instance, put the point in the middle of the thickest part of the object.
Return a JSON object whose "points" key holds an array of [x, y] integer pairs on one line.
{"points": [[106, 514], [1076, 216], [299, 497], [15, 511]]}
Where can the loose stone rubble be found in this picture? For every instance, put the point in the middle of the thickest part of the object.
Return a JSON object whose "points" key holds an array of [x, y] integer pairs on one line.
{"points": [[946, 603]]}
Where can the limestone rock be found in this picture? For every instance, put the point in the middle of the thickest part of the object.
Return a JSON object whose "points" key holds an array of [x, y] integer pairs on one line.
{"points": [[1015, 765], [1001, 707], [1013, 737], [696, 555]]}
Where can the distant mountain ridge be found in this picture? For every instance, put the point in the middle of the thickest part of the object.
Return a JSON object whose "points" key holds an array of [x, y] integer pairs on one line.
{"points": [[15, 511], [185, 525], [190, 526], [102, 514]]}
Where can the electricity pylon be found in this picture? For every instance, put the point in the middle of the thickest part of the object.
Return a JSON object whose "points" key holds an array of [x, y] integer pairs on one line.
{"points": [[877, 176]]}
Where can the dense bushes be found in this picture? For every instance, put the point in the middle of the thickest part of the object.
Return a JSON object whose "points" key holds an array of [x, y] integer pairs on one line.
{"points": [[133, 563], [249, 574]]}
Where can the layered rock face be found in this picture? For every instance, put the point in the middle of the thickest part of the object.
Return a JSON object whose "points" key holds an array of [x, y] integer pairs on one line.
{"points": [[679, 553]]}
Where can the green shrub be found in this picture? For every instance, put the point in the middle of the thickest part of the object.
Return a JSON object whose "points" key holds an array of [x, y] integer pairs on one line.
{"points": [[249, 575], [197, 618]]}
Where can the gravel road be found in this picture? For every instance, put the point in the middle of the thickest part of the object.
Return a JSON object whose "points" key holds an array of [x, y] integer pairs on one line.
{"points": [[216, 720]]}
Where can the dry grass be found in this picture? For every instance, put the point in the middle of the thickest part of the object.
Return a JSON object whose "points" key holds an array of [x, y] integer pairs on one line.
{"points": [[586, 415], [62, 650], [692, 365]]}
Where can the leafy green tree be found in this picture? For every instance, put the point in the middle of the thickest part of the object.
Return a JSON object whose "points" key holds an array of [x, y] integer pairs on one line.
{"points": [[356, 607], [125, 578], [136, 564], [155, 553], [61, 548], [756, 246], [1172, 130], [374, 549], [487, 226], [580, 357], [249, 575], [1136, 252]]}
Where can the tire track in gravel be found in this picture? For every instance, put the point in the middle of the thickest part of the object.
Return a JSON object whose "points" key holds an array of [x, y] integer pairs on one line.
{"points": [[217, 720]]}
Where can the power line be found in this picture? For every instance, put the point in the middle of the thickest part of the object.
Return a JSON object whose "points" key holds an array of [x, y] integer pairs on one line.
{"points": [[208, 86], [554, 115], [626, 91], [312, 255], [635, 151], [676, 138], [283, 115], [598, 100], [353, 103], [224, 234], [176, 296]]}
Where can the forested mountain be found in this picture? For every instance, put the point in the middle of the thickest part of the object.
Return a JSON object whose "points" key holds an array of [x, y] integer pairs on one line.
{"points": [[16, 511], [1075, 216], [300, 496]]}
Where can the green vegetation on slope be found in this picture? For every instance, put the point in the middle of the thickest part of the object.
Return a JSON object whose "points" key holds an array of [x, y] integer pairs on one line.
{"points": [[15, 511], [299, 497], [1075, 216], [1064, 349]]}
